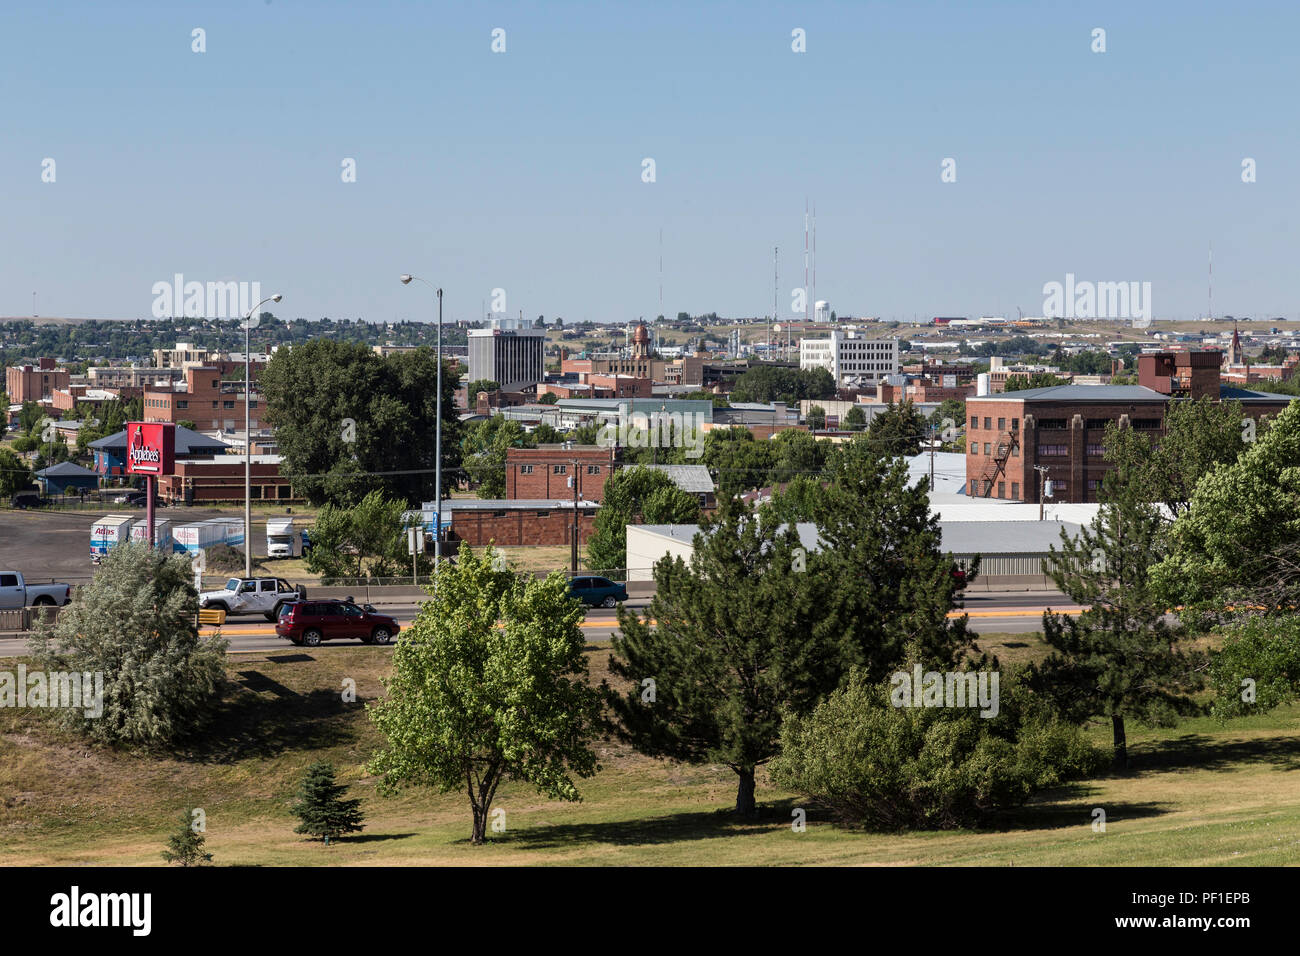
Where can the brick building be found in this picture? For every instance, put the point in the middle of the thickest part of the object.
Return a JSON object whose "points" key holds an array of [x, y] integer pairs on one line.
{"points": [[480, 522], [32, 383], [221, 478], [206, 400], [544, 472], [1062, 428]]}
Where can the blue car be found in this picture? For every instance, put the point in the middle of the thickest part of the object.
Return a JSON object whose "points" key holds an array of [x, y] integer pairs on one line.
{"points": [[597, 592]]}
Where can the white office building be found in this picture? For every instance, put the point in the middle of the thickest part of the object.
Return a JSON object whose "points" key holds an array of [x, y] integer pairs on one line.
{"points": [[851, 358]]}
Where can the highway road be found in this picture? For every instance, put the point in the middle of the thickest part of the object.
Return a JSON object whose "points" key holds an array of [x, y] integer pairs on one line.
{"points": [[996, 612]]}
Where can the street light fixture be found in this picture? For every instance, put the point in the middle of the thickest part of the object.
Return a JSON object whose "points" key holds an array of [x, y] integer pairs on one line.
{"points": [[251, 321], [406, 279]]}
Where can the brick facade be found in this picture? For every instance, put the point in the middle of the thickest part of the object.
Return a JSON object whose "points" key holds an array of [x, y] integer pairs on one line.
{"points": [[28, 383], [518, 526], [1064, 436], [544, 472]]}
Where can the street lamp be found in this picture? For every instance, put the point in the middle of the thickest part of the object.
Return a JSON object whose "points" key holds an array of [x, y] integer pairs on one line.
{"points": [[437, 440], [251, 321]]}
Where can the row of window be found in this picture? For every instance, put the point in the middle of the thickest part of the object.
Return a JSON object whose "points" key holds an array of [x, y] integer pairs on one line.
{"points": [[182, 403], [559, 469]]}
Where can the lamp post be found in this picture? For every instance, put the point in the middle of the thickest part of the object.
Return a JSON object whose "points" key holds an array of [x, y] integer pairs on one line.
{"points": [[437, 440], [250, 322]]}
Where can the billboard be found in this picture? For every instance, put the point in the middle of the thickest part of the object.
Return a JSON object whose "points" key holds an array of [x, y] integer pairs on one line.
{"points": [[150, 448]]}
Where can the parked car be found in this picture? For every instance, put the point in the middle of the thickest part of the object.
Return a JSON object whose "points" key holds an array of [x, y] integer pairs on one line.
{"points": [[138, 499], [253, 596], [16, 593], [310, 622], [597, 592], [27, 499]]}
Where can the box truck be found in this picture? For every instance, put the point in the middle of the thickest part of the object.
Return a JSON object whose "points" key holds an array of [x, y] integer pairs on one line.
{"points": [[107, 532], [281, 541]]}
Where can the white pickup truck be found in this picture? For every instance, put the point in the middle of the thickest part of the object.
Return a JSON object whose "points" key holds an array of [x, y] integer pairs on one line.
{"points": [[252, 596], [15, 592]]}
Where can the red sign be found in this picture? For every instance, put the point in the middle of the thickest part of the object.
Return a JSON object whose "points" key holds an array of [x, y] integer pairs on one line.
{"points": [[150, 448]]}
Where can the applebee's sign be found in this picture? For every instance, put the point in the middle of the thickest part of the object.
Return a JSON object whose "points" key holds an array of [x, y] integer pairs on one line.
{"points": [[150, 448]]}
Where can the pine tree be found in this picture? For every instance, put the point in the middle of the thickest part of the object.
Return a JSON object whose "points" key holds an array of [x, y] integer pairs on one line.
{"points": [[1119, 658], [321, 807], [185, 846]]}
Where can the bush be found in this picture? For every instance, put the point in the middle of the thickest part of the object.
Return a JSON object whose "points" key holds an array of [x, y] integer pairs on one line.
{"points": [[1265, 651], [882, 767], [135, 624], [222, 557]]}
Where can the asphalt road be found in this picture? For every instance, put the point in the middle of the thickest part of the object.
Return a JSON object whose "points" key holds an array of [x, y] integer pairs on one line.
{"points": [[1010, 612]]}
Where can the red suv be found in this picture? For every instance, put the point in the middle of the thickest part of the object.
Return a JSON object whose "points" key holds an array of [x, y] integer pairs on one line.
{"points": [[310, 622]]}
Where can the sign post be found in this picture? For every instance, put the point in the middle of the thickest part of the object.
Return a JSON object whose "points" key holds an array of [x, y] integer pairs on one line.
{"points": [[150, 451], [415, 545]]}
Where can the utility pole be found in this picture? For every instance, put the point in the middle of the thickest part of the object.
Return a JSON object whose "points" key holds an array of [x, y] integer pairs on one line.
{"points": [[1042, 477], [573, 543]]}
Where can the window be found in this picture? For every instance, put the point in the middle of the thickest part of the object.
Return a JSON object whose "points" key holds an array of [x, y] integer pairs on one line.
{"points": [[1015, 491], [988, 450], [1052, 423], [543, 514], [1097, 423], [1002, 424], [525, 469], [1047, 451], [1094, 484], [227, 404], [559, 469], [214, 403], [8, 580], [593, 469], [1015, 450], [1096, 450], [1015, 424], [974, 448], [988, 423], [973, 487], [1146, 423], [181, 403], [216, 383], [1002, 489]]}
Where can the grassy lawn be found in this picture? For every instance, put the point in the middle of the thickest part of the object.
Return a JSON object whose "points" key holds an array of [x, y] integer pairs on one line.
{"points": [[1200, 794]]}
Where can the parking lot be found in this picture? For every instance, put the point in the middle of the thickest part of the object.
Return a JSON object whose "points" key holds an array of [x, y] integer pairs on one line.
{"points": [[55, 545]]}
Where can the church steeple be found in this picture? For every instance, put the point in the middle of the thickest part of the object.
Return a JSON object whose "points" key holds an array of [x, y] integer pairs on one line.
{"points": [[1236, 355]]}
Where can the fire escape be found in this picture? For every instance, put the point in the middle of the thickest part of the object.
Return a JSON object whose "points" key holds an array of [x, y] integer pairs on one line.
{"points": [[997, 467]]}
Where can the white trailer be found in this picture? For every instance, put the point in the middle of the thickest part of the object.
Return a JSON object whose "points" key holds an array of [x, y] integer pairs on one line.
{"points": [[202, 535], [107, 532], [281, 539], [162, 532]]}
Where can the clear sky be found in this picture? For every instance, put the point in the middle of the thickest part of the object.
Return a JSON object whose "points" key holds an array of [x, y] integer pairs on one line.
{"points": [[522, 170]]}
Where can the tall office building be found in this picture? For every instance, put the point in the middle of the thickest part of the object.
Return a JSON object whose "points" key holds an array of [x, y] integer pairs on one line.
{"points": [[509, 353], [851, 359]]}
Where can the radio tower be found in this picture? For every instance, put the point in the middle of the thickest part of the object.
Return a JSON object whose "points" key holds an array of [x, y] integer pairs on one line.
{"points": [[661, 270], [814, 287], [1210, 299], [807, 303], [776, 298]]}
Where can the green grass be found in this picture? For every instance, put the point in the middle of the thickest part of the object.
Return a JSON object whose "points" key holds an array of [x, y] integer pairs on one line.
{"points": [[1199, 794]]}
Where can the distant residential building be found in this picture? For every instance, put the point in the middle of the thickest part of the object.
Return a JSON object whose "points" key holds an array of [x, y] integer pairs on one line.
{"points": [[32, 383], [512, 523], [206, 400]]}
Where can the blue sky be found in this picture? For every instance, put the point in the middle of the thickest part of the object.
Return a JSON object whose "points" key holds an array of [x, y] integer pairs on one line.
{"points": [[522, 170]]}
